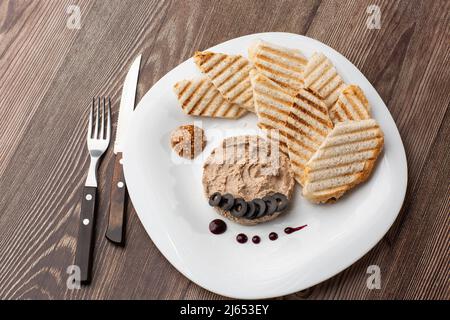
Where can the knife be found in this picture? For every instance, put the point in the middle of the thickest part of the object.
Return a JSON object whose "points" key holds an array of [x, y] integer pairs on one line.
{"points": [[115, 231]]}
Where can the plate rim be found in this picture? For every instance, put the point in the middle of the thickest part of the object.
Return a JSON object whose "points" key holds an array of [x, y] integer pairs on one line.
{"points": [[279, 292]]}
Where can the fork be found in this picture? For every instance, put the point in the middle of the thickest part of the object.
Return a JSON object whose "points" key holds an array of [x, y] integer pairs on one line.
{"points": [[97, 143]]}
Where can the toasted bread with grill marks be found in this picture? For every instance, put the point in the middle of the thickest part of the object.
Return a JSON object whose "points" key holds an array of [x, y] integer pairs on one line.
{"points": [[309, 124], [322, 78], [345, 159], [352, 104], [198, 97], [272, 104], [229, 74], [282, 65]]}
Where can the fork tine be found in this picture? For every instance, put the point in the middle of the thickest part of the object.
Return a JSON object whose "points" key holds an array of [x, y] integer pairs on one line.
{"points": [[91, 116], [108, 124], [97, 120], [102, 122]]}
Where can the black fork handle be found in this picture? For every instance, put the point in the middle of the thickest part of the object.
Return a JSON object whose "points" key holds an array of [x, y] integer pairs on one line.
{"points": [[86, 234]]}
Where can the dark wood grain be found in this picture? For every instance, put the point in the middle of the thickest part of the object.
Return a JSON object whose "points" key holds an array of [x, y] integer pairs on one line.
{"points": [[48, 74]]}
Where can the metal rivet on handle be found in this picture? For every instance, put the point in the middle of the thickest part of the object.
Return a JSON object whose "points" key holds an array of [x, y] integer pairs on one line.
{"points": [[120, 184], [88, 197], [86, 222]]}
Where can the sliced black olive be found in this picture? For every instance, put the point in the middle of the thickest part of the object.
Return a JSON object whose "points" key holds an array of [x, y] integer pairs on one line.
{"points": [[240, 208], [227, 202], [251, 212], [261, 207], [214, 199], [282, 201], [271, 204]]}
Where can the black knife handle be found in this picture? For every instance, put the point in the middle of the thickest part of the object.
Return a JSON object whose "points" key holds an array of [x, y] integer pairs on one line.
{"points": [[115, 231], [86, 234]]}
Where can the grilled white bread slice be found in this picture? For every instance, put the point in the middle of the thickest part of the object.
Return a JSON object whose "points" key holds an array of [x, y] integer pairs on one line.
{"points": [[272, 104], [345, 159], [198, 97], [283, 65], [352, 104], [309, 124], [322, 78], [229, 74]]}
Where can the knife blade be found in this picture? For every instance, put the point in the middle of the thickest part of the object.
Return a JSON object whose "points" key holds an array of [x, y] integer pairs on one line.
{"points": [[115, 231], [127, 102]]}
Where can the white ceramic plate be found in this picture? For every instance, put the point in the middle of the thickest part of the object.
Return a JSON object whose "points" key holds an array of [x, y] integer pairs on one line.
{"points": [[168, 195]]}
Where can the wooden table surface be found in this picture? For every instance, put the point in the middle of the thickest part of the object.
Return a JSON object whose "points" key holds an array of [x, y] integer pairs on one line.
{"points": [[49, 71]]}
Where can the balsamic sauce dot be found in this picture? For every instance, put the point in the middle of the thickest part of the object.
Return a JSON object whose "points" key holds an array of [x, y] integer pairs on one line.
{"points": [[217, 226], [273, 236], [241, 238], [256, 239]]}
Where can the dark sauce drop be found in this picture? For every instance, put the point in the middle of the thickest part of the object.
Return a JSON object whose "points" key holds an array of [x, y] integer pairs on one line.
{"points": [[217, 226], [290, 230], [256, 239], [241, 238], [273, 236]]}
